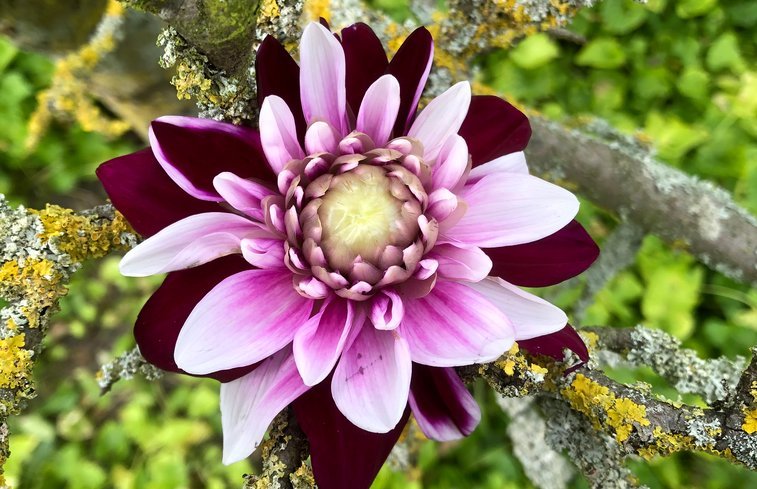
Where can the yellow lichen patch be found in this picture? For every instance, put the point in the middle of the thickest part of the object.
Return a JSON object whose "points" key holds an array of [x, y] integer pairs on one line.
{"points": [[395, 37], [30, 275], [15, 367], [70, 94], [81, 236], [750, 421], [591, 339], [269, 9], [665, 444], [603, 407], [315, 9]]}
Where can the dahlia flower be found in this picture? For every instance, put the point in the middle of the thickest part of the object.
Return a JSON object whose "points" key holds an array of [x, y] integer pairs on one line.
{"points": [[348, 254]]}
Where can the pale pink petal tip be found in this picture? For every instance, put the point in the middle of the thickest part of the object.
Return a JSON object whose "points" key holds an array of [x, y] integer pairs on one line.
{"points": [[322, 78], [249, 404], [372, 380], [531, 316], [187, 243]]}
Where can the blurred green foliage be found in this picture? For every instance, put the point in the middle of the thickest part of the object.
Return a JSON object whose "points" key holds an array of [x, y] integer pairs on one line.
{"points": [[64, 158], [680, 71]]}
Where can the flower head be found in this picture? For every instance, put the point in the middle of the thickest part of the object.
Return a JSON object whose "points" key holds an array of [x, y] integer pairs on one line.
{"points": [[348, 254]]}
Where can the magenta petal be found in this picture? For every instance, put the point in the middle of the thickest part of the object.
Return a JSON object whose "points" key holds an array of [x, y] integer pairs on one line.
{"points": [[553, 344], [145, 195], [193, 151], [441, 404], [548, 261], [410, 66], [494, 128], [366, 61], [278, 74], [162, 317], [242, 320], [343, 456], [455, 325]]}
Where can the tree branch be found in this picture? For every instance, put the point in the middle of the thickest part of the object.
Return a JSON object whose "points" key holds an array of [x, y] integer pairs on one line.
{"points": [[624, 178], [39, 250], [284, 454]]}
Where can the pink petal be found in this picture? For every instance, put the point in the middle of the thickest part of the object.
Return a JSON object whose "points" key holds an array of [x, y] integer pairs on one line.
{"points": [[512, 163], [451, 164], [468, 264], [242, 320], [319, 342], [187, 243], [387, 310], [249, 404], [441, 404], [531, 316], [243, 194], [455, 325], [278, 133], [263, 252], [378, 112], [372, 380], [441, 119], [508, 208], [322, 78], [165, 312], [321, 137]]}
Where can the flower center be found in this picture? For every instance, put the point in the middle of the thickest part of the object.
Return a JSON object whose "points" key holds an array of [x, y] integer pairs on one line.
{"points": [[359, 215]]}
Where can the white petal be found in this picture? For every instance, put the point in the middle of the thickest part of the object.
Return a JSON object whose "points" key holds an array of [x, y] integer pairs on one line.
{"points": [[451, 164], [249, 403], [321, 137], [510, 163], [243, 194], [441, 118], [372, 380], [319, 342], [531, 316], [188, 243], [507, 209], [379, 108], [278, 133], [322, 78]]}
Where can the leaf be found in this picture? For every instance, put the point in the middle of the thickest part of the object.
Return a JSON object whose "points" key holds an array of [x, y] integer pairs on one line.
{"points": [[688, 9], [725, 54], [622, 17], [695, 84], [535, 51], [603, 53]]}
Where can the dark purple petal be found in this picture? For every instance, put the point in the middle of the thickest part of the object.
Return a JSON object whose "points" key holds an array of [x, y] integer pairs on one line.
{"points": [[145, 195], [366, 61], [441, 403], [411, 66], [278, 74], [193, 151], [164, 314], [494, 128], [548, 261], [553, 345], [343, 456]]}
